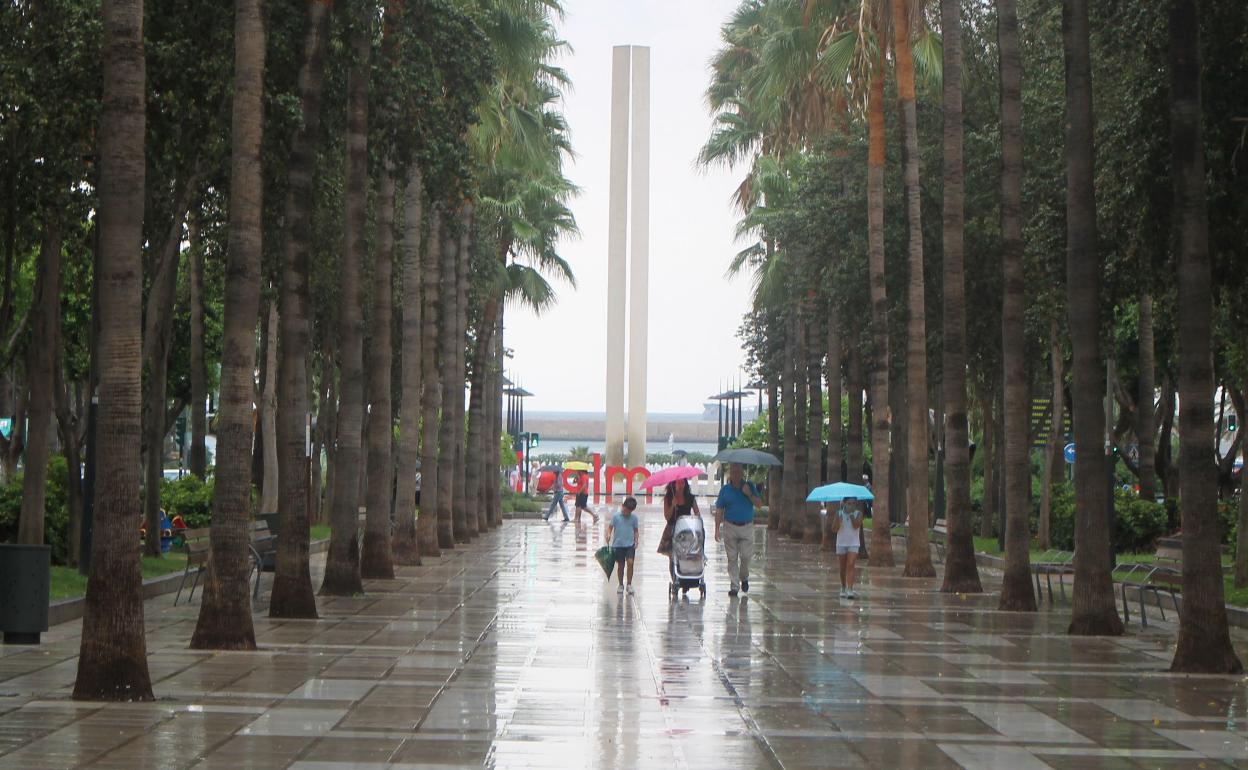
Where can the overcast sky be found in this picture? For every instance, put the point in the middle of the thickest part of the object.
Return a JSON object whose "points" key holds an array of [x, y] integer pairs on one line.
{"points": [[694, 310]]}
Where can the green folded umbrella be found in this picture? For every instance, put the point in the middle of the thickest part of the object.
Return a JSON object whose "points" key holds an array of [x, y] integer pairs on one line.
{"points": [[606, 558]]}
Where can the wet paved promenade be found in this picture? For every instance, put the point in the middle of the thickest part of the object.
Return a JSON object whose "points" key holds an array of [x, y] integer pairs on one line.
{"points": [[514, 652]]}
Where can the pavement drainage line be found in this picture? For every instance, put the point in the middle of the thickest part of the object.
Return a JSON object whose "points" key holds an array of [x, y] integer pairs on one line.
{"points": [[678, 751], [746, 716]]}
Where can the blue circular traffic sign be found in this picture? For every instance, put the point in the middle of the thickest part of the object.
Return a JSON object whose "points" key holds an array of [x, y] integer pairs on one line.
{"points": [[1068, 452]]}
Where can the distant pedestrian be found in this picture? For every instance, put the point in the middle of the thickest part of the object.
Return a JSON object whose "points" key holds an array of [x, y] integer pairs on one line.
{"points": [[622, 535], [848, 528], [556, 499], [734, 526], [582, 499]]}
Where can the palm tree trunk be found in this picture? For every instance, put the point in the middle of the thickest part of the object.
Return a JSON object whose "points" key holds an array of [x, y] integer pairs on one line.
{"points": [[798, 487], [990, 502], [881, 422], [406, 548], [834, 417], [465, 520], [1016, 590], [198, 458], [157, 340], [41, 361], [451, 389], [225, 612], [1051, 452], [292, 595], [269, 492], [788, 382], [853, 436], [375, 558], [495, 393], [1093, 612], [429, 524], [775, 502], [477, 413], [1146, 425], [342, 564], [961, 572], [1204, 643], [918, 552], [815, 349], [836, 438], [112, 660]]}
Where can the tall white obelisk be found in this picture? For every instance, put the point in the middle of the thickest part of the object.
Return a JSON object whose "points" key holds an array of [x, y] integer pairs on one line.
{"points": [[639, 248], [617, 253]]}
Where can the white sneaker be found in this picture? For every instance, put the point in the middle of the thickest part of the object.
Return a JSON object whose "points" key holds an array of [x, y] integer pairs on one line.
{"points": [[620, 589], [630, 589], [843, 592], [850, 594]]}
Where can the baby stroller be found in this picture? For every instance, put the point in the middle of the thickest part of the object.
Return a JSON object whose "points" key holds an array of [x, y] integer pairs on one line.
{"points": [[688, 555]]}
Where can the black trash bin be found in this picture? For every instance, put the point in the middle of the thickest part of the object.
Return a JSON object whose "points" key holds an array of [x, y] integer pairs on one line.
{"points": [[25, 577]]}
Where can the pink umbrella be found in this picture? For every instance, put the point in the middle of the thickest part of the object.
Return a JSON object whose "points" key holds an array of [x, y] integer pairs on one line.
{"points": [[674, 473]]}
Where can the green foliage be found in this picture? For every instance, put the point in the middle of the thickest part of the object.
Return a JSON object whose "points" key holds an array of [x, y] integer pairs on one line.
{"points": [[190, 498], [1138, 522], [515, 502], [55, 512]]}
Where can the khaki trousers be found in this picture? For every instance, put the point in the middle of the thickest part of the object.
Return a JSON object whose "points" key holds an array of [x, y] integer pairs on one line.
{"points": [[739, 546]]}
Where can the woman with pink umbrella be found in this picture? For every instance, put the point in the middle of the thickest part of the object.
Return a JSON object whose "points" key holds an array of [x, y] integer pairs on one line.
{"points": [[678, 500]]}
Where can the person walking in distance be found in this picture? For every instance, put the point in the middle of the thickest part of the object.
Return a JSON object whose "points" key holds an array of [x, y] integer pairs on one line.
{"points": [[734, 526], [556, 499], [582, 499], [622, 536], [848, 528]]}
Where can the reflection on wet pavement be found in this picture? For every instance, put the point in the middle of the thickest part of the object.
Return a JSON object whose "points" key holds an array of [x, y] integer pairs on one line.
{"points": [[515, 652]]}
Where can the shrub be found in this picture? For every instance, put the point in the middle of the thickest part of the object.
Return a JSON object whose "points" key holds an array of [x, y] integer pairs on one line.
{"points": [[1062, 517], [515, 502], [188, 497], [1138, 523], [55, 509]]}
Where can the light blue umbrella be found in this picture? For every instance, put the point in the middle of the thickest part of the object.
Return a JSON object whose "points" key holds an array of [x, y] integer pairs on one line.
{"points": [[830, 493]]}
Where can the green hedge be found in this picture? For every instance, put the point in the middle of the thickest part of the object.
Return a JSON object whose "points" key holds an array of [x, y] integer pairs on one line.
{"points": [[1138, 523], [187, 496]]}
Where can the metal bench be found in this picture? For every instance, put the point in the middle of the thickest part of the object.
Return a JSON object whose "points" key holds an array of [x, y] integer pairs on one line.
{"points": [[196, 546], [263, 547], [1050, 563], [1164, 574]]}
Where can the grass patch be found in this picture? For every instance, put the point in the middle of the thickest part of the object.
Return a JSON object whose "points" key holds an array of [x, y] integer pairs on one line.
{"points": [[66, 583], [320, 531]]}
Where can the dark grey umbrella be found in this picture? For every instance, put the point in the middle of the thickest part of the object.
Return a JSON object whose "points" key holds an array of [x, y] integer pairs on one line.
{"points": [[746, 457]]}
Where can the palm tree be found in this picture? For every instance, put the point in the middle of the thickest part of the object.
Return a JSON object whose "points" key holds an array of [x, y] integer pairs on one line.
{"points": [[853, 434], [375, 557], [292, 595], [1093, 612], [41, 365], [789, 386], [197, 462], [815, 349], [451, 389], [465, 520], [878, 373], [112, 659], [1016, 590], [1146, 425], [1204, 644], [918, 552], [225, 610], [961, 572], [835, 348], [342, 564], [428, 526], [405, 545]]}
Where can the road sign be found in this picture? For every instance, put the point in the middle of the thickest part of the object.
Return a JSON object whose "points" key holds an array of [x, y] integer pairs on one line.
{"points": [[6, 426], [535, 439], [1068, 452]]}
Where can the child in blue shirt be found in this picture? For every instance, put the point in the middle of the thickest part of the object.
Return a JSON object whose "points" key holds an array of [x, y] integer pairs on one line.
{"points": [[622, 536]]}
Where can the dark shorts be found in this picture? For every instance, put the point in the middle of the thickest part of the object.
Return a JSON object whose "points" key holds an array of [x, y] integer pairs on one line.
{"points": [[582, 500], [623, 554]]}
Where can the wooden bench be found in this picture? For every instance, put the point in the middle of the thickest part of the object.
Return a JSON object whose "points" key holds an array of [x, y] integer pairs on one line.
{"points": [[196, 545]]}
